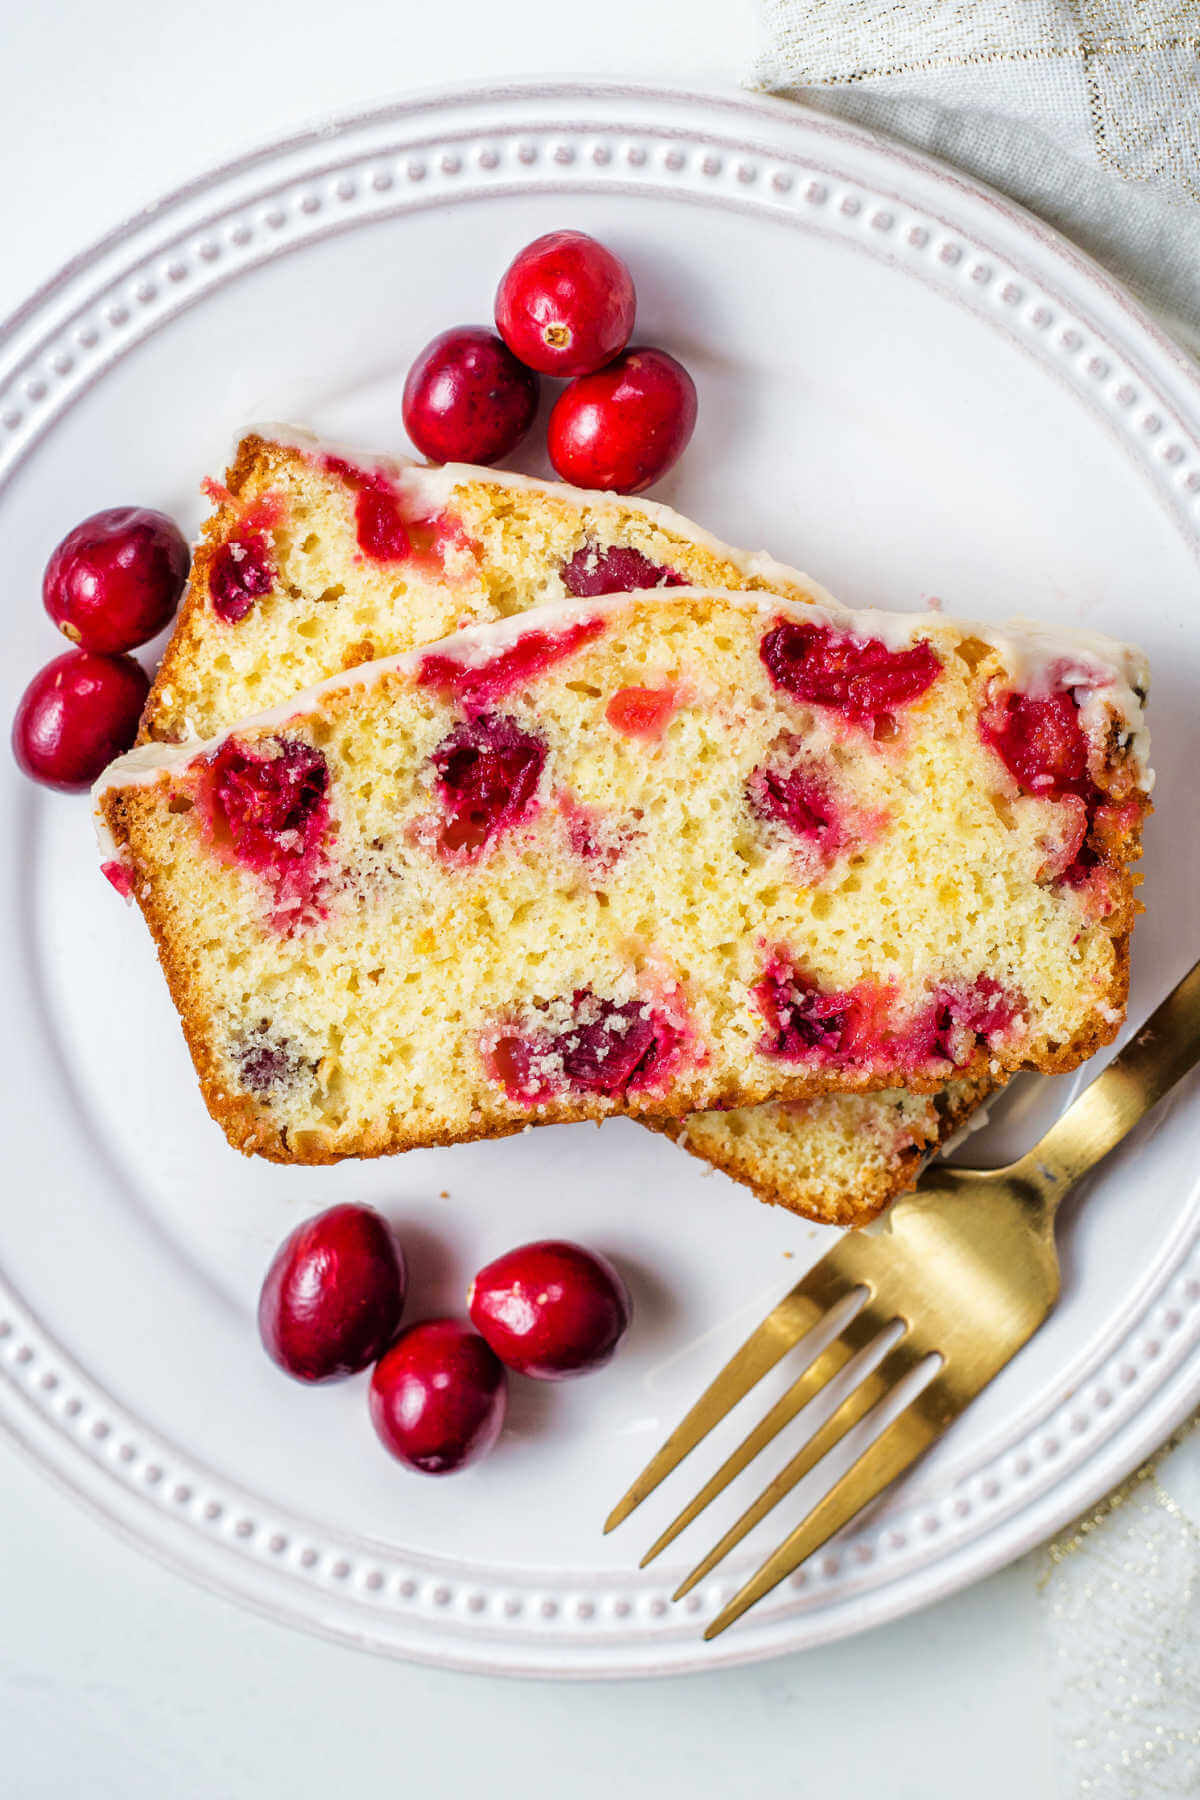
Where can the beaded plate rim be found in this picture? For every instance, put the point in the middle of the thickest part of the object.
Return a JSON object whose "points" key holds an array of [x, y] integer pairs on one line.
{"points": [[759, 156]]}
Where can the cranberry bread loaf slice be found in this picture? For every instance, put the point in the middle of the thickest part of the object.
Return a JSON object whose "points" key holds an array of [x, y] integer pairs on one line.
{"points": [[316, 559], [668, 852], [840, 1159]]}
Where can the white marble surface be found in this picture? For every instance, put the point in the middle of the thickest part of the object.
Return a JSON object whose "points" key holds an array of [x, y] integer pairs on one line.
{"points": [[117, 1679]]}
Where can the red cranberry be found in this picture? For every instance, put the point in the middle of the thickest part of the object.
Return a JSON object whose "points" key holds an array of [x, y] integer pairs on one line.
{"points": [[626, 425], [333, 1296], [487, 774], [565, 304], [798, 801], [856, 676], [438, 1397], [270, 811], [115, 580], [516, 666], [550, 1309], [618, 570], [808, 1024], [79, 712], [380, 522], [604, 1047], [1041, 743], [467, 398], [958, 1019], [239, 574]]}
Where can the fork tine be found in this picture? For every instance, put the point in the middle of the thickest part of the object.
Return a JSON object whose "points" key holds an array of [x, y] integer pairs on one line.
{"points": [[796, 1314], [912, 1431], [854, 1337], [899, 1362]]}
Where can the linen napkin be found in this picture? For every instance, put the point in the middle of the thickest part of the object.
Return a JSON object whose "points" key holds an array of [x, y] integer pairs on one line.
{"points": [[1086, 111]]}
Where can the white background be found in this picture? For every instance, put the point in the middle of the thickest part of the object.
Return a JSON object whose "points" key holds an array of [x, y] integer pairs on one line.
{"points": [[116, 1678]]}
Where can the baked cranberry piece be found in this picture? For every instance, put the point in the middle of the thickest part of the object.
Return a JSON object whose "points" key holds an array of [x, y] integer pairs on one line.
{"points": [[476, 684], [438, 1397], [333, 1296], [801, 802], [239, 573], [593, 835], [619, 569], [808, 1024], [488, 770], [467, 398], [857, 677], [77, 713], [961, 1017], [606, 1047], [268, 1064], [550, 1309], [381, 525], [114, 582], [565, 304], [626, 425], [270, 811], [1041, 742], [642, 712]]}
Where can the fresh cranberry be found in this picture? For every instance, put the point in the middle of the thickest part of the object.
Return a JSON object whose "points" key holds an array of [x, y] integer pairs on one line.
{"points": [[806, 1023], [643, 712], [1040, 741], [487, 774], [438, 1397], [333, 1296], [602, 1047], [270, 811], [77, 713], [239, 574], [550, 1309], [620, 569], [531, 655], [565, 304], [467, 398], [626, 425], [858, 677], [115, 580]]}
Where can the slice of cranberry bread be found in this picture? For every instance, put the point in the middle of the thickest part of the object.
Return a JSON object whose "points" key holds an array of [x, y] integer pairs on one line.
{"points": [[317, 559], [667, 852], [838, 1158]]}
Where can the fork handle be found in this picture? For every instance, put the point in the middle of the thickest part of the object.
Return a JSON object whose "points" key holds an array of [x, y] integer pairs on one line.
{"points": [[1153, 1060]]}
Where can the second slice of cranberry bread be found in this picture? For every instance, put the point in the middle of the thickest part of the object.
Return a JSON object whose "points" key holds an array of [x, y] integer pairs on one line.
{"points": [[670, 852], [316, 559]]}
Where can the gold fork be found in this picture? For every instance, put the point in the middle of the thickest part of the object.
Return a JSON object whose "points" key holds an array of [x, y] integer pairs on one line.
{"points": [[964, 1276]]}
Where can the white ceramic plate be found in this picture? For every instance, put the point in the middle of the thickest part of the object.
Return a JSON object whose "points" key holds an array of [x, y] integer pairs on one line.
{"points": [[908, 387]]}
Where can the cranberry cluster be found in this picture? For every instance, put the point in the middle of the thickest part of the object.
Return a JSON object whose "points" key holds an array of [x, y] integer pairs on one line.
{"points": [[565, 307], [331, 1306], [110, 586]]}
